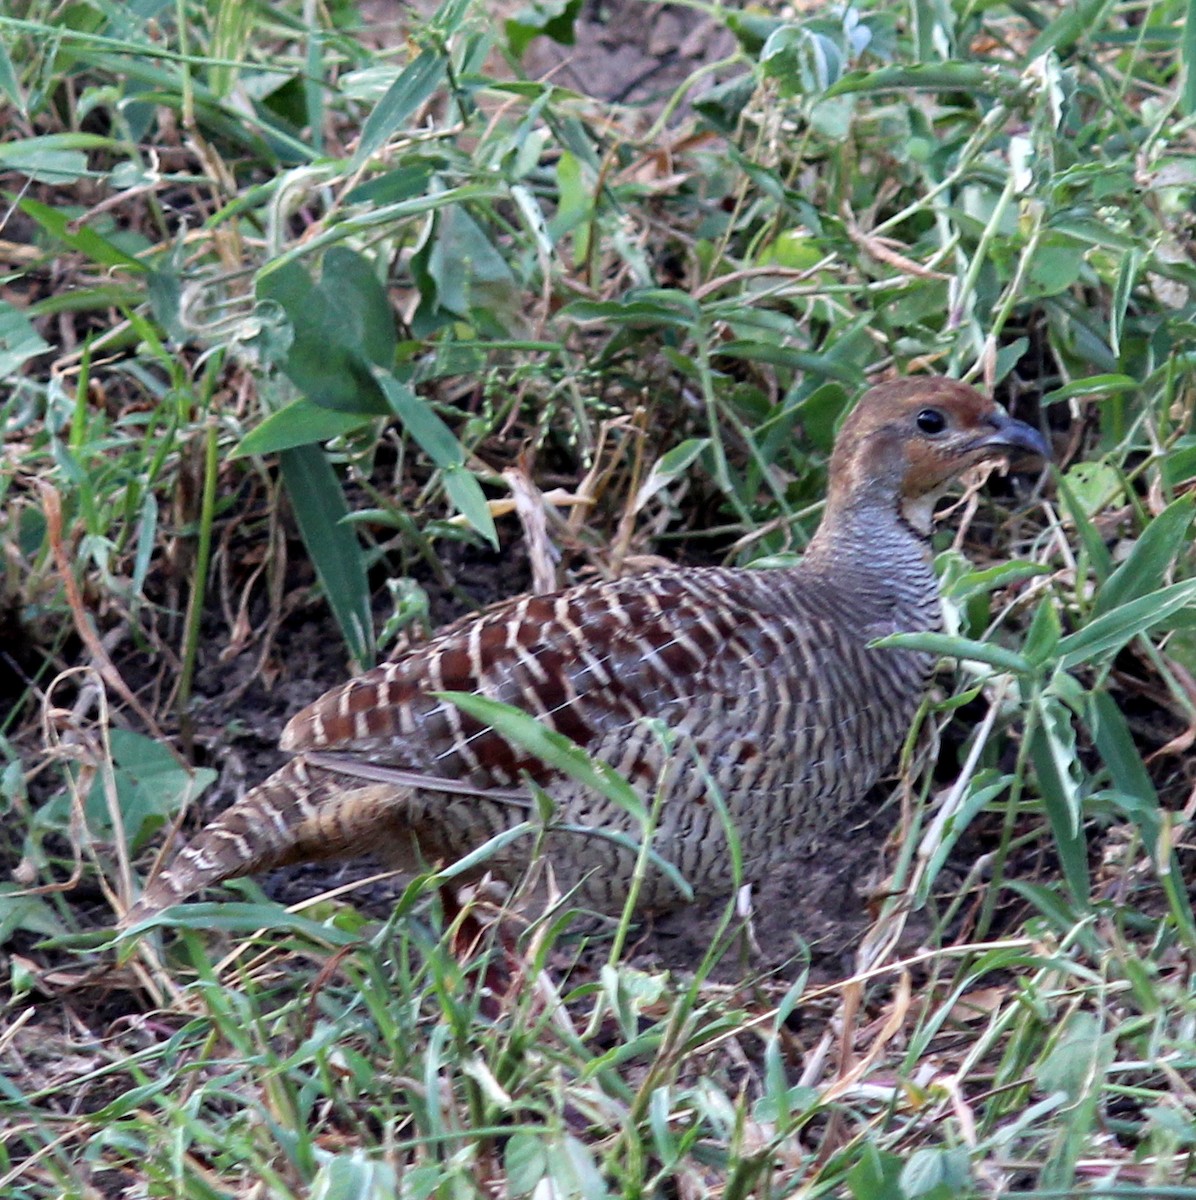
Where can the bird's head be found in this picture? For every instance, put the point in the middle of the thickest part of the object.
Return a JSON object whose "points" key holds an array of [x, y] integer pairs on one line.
{"points": [[907, 439]]}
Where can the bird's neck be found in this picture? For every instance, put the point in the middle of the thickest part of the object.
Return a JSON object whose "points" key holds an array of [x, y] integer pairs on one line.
{"points": [[879, 558]]}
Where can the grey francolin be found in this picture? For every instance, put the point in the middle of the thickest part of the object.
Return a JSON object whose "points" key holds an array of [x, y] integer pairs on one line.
{"points": [[765, 678]]}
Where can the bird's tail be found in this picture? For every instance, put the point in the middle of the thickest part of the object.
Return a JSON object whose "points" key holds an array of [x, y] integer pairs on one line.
{"points": [[301, 813]]}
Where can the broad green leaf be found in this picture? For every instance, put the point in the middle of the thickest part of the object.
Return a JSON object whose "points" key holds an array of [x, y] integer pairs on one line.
{"points": [[433, 436], [524, 1162], [85, 239], [420, 78], [1094, 385], [32, 914], [1008, 357], [300, 423], [1155, 552], [469, 500], [1073, 1064], [1187, 49], [551, 748], [41, 162], [877, 1175], [1180, 463], [1094, 485], [958, 647], [151, 785], [468, 274], [335, 552], [19, 341], [801, 60], [934, 1174], [668, 467], [9, 83], [1053, 753], [551, 18], [343, 327], [354, 1175], [1122, 759], [1108, 633], [1055, 265]]}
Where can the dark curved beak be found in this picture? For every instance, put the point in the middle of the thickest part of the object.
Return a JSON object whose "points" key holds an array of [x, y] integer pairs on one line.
{"points": [[1015, 436]]}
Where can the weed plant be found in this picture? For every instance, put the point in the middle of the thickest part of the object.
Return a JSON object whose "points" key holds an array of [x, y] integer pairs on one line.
{"points": [[310, 310]]}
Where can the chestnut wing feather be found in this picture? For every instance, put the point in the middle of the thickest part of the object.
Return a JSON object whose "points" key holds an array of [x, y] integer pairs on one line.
{"points": [[585, 662]]}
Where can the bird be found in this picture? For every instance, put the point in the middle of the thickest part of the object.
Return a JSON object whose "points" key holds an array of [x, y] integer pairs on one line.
{"points": [[722, 695]]}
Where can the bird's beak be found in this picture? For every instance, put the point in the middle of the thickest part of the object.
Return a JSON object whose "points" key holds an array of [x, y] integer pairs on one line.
{"points": [[1015, 436]]}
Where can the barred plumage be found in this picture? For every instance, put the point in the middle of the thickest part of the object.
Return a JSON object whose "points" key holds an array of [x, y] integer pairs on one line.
{"points": [[775, 703]]}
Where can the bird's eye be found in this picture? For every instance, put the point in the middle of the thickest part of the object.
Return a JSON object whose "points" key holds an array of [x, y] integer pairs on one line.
{"points": [[930, 420]]}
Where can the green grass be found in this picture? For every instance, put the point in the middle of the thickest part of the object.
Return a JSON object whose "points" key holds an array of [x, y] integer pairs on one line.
{"points": [[280, 308]]}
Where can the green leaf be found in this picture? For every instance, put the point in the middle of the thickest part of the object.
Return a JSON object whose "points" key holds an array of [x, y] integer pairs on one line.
{"points": [[977, 583], [1127, 275], [335, 552], [85, 239], [1072, 1064], [468, 274], [551, 748], [1127, 771], [552, 18], [1053, 268], [1042, 638], [19, 341], [10, 86], [437, 441], [1099, 558], [29, 913], [1094, 485], [952, 77], [644, 309], [1106, 634], [151, 786], [42, 161], [1187, 49], [433, 436], [524, 1162], [877, 1175], [1071, 25], [342, 326], [242, 917], [1053, 753], [801, 60], [300, 423], [668, 467], [1153, 555], [470, 501], [419, 79], [982, 789], [1094, 385], [934, 1174], [959, 647]]}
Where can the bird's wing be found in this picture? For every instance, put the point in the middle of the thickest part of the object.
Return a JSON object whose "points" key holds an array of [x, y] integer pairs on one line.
{"points": [[585, 662]]}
